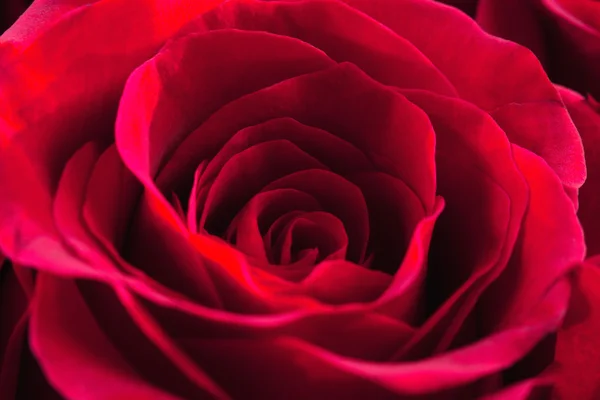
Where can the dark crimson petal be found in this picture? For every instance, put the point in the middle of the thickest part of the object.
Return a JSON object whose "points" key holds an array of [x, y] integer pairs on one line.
{"points": [[32, 383], [515, 20], [526, 390], [581, 12], [164, 253], [342, 101], [484, 184], [161, 104], [244, 175], [575, 42], [194, 197], [403, 298], [499, 74], [331, 373], [260, 213], [586, 118], [111, 195], [14, 305], [316, 230], [394, 212], [155, 238], [577, 352], [464, 365], [70, 196], [304, 378], [274, 235], [337, 154], [343, 33], [341, 282], [76, 356], [467, 6], [337, 196]]}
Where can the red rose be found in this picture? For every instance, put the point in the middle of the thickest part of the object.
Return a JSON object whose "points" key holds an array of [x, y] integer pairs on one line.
{"points": [[306, 199], [564, 34]]}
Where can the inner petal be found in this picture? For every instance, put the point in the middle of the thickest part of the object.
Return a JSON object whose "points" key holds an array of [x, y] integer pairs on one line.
{"points": [[337, 196], [393, 134], [394, 213], [338, 154], [319, 231], [243, 176], [252, 223]]}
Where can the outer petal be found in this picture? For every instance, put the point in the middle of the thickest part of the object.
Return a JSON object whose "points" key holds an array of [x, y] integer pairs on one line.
{"points": [[66, 83], [75, 354], [577, 350], [586, 118], [329, 373], [518, 21], [500, 75]]}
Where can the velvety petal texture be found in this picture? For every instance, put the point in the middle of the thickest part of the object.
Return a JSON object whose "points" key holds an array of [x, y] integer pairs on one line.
{"points": [[577, 352], [585, 114], [564, 34], [283, 200]]}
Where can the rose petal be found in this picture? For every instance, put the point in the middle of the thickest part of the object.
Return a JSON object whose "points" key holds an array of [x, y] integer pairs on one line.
{"points": [[77, 356], [110, 198], [462, 266], [14, 305], [316, 370], [402, 299], [161, 105], [517, 21], [244, 175], [505, 72], [587, 120], [341, 282], [550, 245], [343, 33], [577, 354], [261, 212], [522, 391], [324, 100], [83, 57], [314, 230], [394, 212], [337, 154], [339, 197]]}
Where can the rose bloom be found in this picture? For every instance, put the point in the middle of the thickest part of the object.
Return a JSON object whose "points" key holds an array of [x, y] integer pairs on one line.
{"points": [[366, 199], [564, 34]]}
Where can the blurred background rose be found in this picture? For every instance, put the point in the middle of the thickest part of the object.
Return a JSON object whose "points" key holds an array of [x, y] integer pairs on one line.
{"points": [[10, 10]]}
